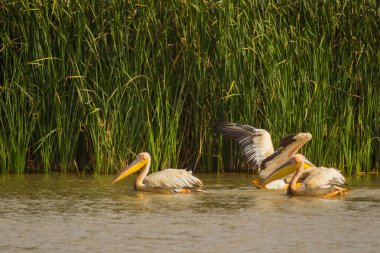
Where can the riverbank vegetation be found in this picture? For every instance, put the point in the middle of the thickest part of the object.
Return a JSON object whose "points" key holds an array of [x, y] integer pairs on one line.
{"points": [[85, 85]]}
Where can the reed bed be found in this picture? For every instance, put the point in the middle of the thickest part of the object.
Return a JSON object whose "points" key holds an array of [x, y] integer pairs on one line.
{"points": [[85, 85]]}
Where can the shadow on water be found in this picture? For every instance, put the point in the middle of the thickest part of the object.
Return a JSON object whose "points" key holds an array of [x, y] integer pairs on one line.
{"points": [[60, 213]]}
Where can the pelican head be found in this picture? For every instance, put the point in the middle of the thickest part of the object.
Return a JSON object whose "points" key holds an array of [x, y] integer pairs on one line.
{"points": [[298, 158], [287, 168], [289, 145], [141, 161], [293, 142]]}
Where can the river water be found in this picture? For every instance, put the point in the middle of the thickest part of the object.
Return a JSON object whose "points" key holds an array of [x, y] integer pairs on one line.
{"points": [[71, 213]]}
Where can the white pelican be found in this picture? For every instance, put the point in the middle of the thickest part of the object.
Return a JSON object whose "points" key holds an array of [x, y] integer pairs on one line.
{"points": [[165, 181], [315, 181], [257, 150]]}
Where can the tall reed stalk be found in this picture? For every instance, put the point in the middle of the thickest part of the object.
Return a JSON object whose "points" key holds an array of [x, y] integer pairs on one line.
{"points": [[86, 85]]}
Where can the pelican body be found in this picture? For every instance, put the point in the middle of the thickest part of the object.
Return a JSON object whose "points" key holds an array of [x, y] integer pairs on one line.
{"points": [[257, 150], [165, 181], [315, 181]]}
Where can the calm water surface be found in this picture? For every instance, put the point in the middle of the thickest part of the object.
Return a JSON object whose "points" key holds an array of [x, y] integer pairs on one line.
{"points": [[60, 213]]}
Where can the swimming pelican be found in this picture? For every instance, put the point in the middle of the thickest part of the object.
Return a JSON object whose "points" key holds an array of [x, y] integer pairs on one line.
{"points": [[315, 181], [165, 181], [257, 150]]}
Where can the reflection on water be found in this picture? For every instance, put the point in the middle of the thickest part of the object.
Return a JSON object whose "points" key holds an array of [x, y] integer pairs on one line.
{"points": [[60, 213]]}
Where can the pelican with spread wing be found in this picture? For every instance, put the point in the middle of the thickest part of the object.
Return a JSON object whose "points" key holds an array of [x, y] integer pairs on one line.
{"points": [[165, 181], [258, 152], [315, 181]]}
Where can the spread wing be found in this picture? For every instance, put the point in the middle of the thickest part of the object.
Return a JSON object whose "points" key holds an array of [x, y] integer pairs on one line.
{"points": [[173, 179], [255, 144]]}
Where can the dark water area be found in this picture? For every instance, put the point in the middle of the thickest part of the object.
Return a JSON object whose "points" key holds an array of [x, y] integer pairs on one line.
{"points": [[71, 213]]}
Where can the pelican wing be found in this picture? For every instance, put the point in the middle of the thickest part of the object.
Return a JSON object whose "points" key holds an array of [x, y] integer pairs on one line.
{"points": [[174, 179], [255, 144], [323, 178]]}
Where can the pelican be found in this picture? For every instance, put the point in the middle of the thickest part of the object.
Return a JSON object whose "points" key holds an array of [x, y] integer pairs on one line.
{"points": [[165, 181], [257, 150], [315, 181]]}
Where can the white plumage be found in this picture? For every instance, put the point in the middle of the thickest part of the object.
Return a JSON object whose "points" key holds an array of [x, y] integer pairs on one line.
{"points": [[175, 179]]}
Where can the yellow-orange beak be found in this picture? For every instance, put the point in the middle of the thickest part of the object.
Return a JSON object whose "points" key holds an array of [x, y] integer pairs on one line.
{"points": [[287, 168], [132, 168]]}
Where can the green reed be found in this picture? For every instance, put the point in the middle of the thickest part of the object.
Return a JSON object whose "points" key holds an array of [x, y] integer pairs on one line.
{"points": [[86, 85]]}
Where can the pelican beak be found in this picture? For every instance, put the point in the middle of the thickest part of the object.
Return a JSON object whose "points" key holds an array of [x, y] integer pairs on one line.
{"points": [[287, 168], [132, 168]]}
